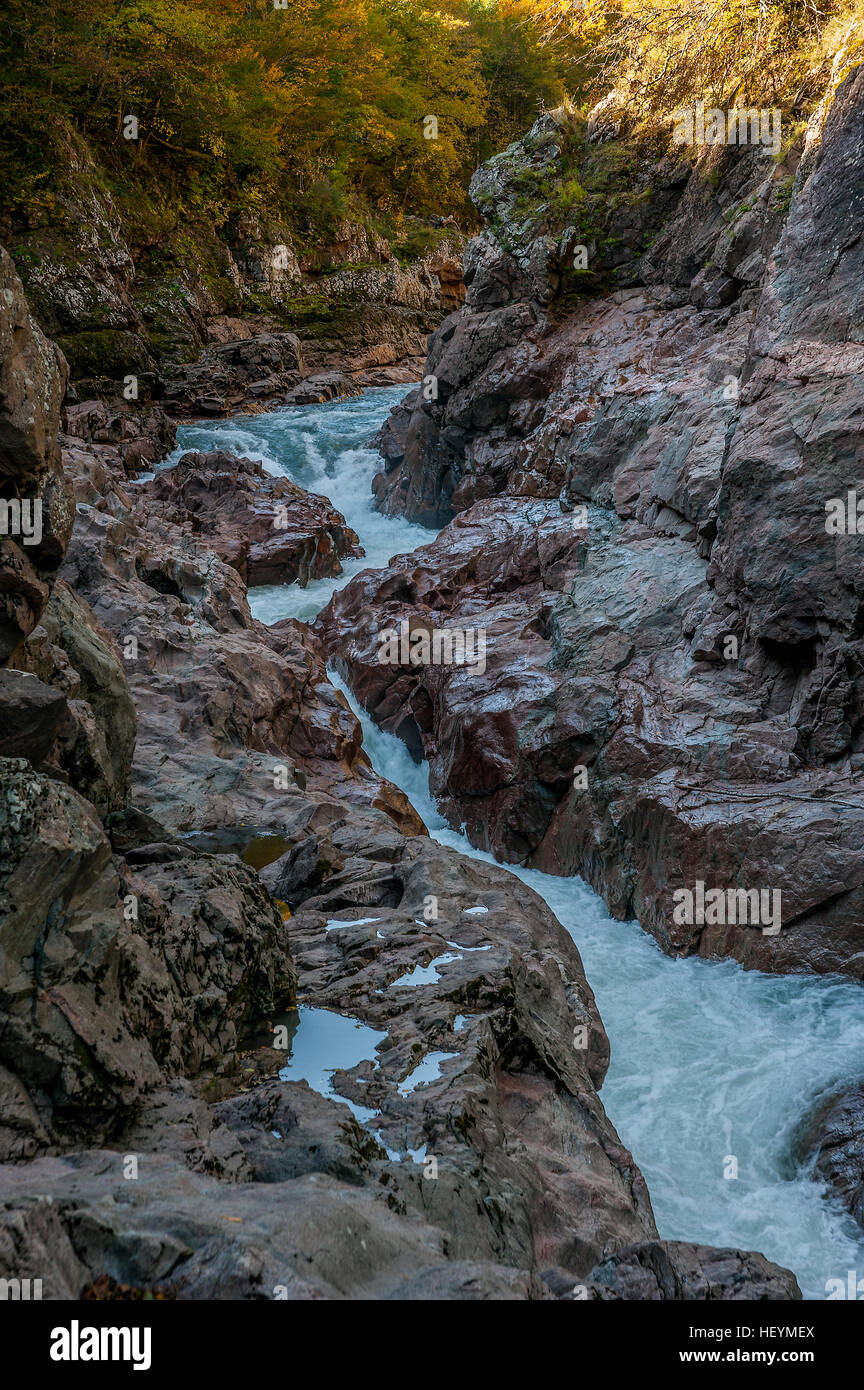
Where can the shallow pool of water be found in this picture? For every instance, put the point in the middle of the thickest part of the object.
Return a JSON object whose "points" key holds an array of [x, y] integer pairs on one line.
{"points": [[325, 1042]]}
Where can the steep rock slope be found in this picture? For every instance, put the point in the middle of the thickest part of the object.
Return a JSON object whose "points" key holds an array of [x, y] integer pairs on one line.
{"points": [[147, 972], [173, 302], [672, 616]]}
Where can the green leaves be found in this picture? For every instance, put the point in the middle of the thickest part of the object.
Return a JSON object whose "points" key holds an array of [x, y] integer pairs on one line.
{"points": [[314, 111]]}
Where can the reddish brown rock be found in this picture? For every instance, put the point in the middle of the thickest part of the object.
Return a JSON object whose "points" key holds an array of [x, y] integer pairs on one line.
{"points": [[700, 658], [267, 528], [589, 663], [233, 719], [140, 435]]}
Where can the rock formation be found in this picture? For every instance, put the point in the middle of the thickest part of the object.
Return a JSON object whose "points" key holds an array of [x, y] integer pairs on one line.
{"points": [[833, 1143], [268, 529], [159, 747], [643, 488]]}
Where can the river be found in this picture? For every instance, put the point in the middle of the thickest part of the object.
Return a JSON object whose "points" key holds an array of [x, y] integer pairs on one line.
{"points": [[709, 1062]]}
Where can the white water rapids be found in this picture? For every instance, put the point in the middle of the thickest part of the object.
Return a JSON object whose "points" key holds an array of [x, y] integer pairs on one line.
{"points": [[708, 1060]]}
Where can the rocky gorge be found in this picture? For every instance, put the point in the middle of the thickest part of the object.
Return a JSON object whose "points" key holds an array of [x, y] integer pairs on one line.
{"points": [[200, 862], [636, 488]]}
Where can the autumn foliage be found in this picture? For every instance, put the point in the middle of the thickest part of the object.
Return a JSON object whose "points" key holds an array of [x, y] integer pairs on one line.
{"points": [[319, 109], [729, 52], [314, 109]]}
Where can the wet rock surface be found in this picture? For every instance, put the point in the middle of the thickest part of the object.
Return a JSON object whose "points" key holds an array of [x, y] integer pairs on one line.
{"points": [[232, 717], [267, 528], [685, 623], [588, 664], [671, 1269], [833, 1140], [278, 1192]]}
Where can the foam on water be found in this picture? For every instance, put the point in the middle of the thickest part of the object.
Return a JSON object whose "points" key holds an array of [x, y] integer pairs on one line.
{"points": [[324, 448], [708, 1060]]}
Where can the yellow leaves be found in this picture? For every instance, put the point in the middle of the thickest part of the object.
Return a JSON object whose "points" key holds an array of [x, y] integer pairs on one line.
{"points": [[234, 96], [664, 51]]}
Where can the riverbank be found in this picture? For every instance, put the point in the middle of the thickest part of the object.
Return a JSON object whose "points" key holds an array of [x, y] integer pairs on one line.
{"points": [[708, 1062], [210, 856]]}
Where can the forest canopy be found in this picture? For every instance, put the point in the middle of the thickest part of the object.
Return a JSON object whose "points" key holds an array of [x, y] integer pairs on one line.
{"points": [[318, 109]]}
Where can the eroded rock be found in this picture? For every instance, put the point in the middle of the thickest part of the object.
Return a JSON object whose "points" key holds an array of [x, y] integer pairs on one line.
{"points": [[35, 506], [833, 1140], [697, 654], [113, 978], [267, 528]]}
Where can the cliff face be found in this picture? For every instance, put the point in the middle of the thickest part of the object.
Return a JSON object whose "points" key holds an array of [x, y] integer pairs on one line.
{"points": [[151, 734], [673, 686], [37, 508], [147, 297]]}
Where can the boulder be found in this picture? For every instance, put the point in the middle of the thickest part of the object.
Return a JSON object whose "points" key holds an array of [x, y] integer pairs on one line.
{"points": [[672, 1269], [114, 978], [263, 368], [267, 528], [833, 1144], [93, 745], [588, 663]]}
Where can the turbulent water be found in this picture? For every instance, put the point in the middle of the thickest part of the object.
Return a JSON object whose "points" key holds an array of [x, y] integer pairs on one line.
{"points": [[709, 1062], [324, 449]]}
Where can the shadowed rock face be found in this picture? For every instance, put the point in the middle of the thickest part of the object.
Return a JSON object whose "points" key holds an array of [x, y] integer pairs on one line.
{"points": [[674, 616], [33, 375], [71, 712], [671, 1269], [359, 1247], [529, 372], [91, 742], [112, 979], [833, 1139]]}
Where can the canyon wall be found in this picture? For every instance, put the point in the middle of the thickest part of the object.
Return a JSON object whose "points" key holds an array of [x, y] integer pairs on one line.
{"points": [[194, 843], [638, 463]]}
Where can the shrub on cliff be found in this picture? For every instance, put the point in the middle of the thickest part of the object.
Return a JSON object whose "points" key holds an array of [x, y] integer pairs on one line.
{"points": [[659, 53]]}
